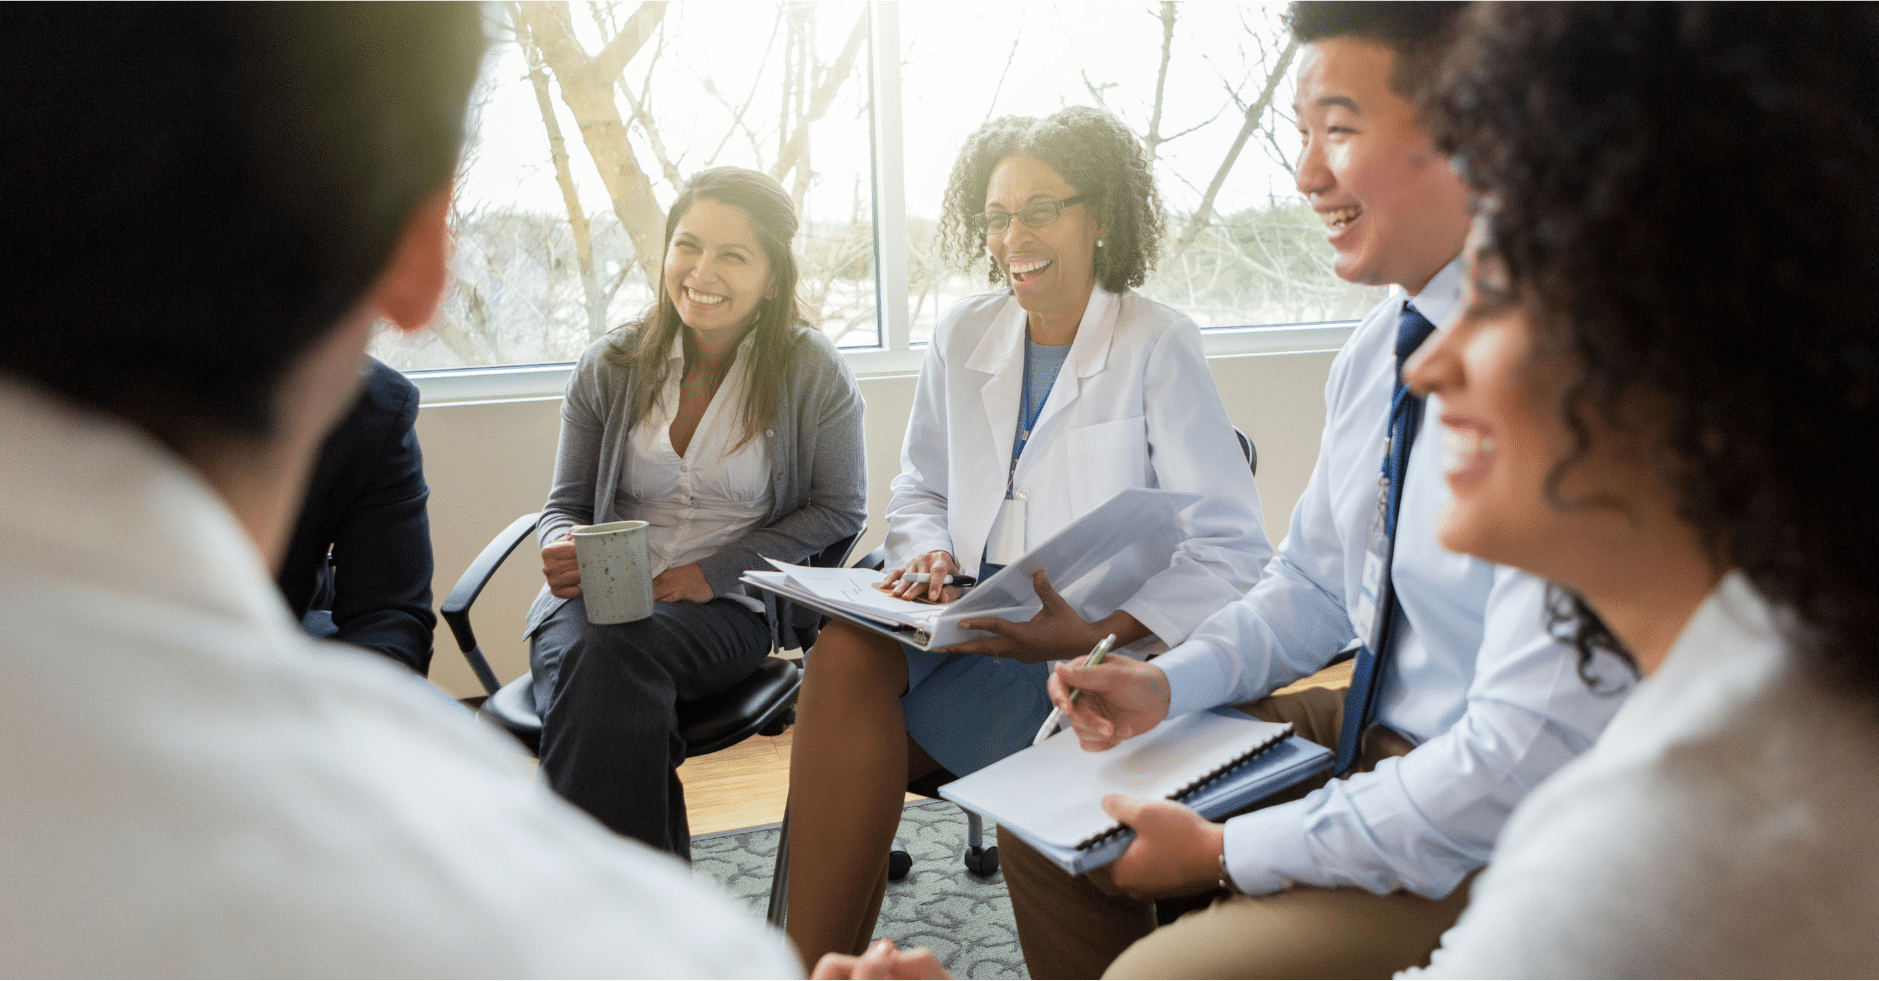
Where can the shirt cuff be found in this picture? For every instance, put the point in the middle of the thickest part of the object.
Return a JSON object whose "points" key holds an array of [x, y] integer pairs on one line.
{"points": [[1194, 678], [1266, 849]]}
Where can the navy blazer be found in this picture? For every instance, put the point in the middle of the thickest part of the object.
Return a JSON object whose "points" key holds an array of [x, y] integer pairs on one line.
{"points": [[365, 506]]}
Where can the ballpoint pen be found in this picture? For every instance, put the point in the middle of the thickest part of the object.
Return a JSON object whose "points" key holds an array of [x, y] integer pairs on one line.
{"points": [[1097, 654], [949, 581]]}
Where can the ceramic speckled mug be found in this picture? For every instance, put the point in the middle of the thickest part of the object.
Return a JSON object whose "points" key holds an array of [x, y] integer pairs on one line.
{"points": [[616, 576]]}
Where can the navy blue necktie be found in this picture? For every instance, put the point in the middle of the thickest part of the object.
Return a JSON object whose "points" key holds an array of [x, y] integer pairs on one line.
{"points": [[1360, 705]]}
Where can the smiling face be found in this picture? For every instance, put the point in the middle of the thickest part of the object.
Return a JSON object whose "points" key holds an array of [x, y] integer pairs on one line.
{"points": [[1394, 212], [716, 272], [1052, 269], [1502, 406]]}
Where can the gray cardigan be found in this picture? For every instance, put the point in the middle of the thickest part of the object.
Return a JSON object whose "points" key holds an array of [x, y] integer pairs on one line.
{"points": [[817, 465]]}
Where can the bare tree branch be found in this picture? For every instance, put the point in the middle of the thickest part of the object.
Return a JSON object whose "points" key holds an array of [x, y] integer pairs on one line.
{"points": [[1013, 56], [653, 142], [1198, 220], [1154, 140], [826, 88], [570, 198], [589, 94], [737, 114], [612, 59]]}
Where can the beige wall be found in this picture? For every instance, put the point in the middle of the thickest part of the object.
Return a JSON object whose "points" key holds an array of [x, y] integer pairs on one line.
{"points": [[489, 462]]}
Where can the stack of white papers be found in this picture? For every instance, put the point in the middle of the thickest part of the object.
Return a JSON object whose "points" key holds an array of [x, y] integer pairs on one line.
{"points": [[1096, 564]]}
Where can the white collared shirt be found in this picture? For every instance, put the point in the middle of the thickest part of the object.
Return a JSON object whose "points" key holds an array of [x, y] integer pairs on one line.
{"points": [[717, 491], [1493, 704], [193, 788]]}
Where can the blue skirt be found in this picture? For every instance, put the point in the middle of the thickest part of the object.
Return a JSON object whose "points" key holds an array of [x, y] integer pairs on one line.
{"points": [[971, 710]]}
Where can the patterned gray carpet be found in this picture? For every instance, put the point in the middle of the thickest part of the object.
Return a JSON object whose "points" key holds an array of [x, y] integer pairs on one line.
{"points": [[964, 919]]}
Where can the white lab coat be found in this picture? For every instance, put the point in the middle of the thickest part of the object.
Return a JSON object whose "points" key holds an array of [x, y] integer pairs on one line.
{"points": [[1134, 406]]}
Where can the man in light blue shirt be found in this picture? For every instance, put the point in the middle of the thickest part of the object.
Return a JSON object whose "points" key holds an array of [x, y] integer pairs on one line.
{"points": [[1477, 703]]}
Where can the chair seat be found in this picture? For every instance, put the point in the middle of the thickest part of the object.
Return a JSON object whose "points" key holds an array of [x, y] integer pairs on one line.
{"points": [[707, 725]]}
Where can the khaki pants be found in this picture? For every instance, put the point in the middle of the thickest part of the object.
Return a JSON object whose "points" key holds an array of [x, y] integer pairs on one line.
{"points": [[1070, 927]]}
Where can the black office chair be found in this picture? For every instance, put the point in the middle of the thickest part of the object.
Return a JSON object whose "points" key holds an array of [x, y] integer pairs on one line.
{"points": [[764, 703]]}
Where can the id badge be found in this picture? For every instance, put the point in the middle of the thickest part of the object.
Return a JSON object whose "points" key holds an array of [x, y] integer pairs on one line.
{"points": [[1005, 545], [1368, 591], [1370, 587]]}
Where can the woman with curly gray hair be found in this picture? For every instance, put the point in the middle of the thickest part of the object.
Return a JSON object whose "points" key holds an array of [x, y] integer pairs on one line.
{"points": [[1038, 401]]}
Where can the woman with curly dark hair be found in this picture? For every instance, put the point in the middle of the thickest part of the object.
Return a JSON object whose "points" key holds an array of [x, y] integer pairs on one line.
{"points": [[1038, 401], [1665, 399]]}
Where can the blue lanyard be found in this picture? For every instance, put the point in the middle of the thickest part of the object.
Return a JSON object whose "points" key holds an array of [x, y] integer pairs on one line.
{"points": [[1024, 413]]}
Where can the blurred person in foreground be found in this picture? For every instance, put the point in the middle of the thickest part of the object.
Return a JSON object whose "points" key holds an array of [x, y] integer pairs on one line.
{"points": [[209, 208], [1665, 390]]}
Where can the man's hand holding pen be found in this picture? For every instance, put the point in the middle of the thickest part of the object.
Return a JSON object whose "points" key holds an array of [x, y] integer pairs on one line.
{"points": [[1122, 697]]}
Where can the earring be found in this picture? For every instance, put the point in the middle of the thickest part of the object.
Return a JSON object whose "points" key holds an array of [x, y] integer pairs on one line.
{"points": [[1099, 243]]}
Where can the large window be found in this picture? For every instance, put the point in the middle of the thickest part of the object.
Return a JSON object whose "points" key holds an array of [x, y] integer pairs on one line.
{"points": [[591, 115]]}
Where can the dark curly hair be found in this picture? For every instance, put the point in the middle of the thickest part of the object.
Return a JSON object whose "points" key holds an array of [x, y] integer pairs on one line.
{"points": [[1097, 155], [1682, 196]]}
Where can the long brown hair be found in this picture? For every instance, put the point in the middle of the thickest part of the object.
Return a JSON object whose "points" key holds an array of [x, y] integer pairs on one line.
{"points": [[643, 350]]}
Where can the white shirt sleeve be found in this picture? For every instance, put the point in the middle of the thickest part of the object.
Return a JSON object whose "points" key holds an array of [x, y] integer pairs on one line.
{"points": [[1192, 448], [1423, 821], [916, 515]]}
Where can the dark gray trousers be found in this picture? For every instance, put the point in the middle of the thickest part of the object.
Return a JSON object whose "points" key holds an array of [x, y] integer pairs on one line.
{"points": [[608, 698]]}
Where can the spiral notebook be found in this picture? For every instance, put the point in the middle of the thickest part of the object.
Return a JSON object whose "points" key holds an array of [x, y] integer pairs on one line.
{"points": [[1216, 762]]}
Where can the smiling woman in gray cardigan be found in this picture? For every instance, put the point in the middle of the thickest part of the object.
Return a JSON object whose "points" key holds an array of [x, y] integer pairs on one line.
{"points": [[754, 451]]}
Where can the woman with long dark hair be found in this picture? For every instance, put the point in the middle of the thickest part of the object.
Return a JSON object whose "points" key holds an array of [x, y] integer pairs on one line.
{"points": [[733, 428], [1664, 398]]}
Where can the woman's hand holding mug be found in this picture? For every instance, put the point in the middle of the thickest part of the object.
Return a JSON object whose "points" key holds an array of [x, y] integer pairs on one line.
{"points": [[560, 566]]}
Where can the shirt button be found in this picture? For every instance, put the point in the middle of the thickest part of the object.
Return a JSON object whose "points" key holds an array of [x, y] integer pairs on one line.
{"points": [[1023, 494], [769, 432]]}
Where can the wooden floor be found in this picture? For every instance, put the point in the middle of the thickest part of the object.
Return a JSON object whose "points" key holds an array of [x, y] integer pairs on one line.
{"points": [[748, 784]]}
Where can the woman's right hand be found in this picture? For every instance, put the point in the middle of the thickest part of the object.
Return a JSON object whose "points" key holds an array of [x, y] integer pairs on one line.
{"points": [[937, 564], [561, 568]]}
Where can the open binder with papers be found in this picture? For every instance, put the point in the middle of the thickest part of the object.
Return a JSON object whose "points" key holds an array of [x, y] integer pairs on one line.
{"points": [[1096, 564], [1215, 762]]}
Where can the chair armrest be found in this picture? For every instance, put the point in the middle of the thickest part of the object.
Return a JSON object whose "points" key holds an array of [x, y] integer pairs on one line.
{"points": [[456, 608]]}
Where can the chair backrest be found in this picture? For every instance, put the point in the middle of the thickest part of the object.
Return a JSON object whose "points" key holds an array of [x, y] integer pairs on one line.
{"points": [[1251, 451]]}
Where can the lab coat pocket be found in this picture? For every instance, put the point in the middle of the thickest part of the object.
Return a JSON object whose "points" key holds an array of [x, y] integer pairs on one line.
{"points": [[1106, 458]]}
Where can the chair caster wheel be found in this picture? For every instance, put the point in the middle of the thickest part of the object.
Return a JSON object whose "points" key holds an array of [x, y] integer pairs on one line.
{"points": [[899, 863], [982, 862]]}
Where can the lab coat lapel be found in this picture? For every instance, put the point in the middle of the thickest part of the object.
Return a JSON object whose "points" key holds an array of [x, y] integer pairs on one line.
{"points": [[1000, 356], [998, 361]]}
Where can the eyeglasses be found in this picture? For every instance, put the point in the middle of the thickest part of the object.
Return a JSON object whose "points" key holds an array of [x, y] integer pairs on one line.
{"points": [[1033, 215]]}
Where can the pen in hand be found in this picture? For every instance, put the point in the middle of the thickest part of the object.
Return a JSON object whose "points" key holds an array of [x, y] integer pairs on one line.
{"points": [[948, 581], [1097, 654]]}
